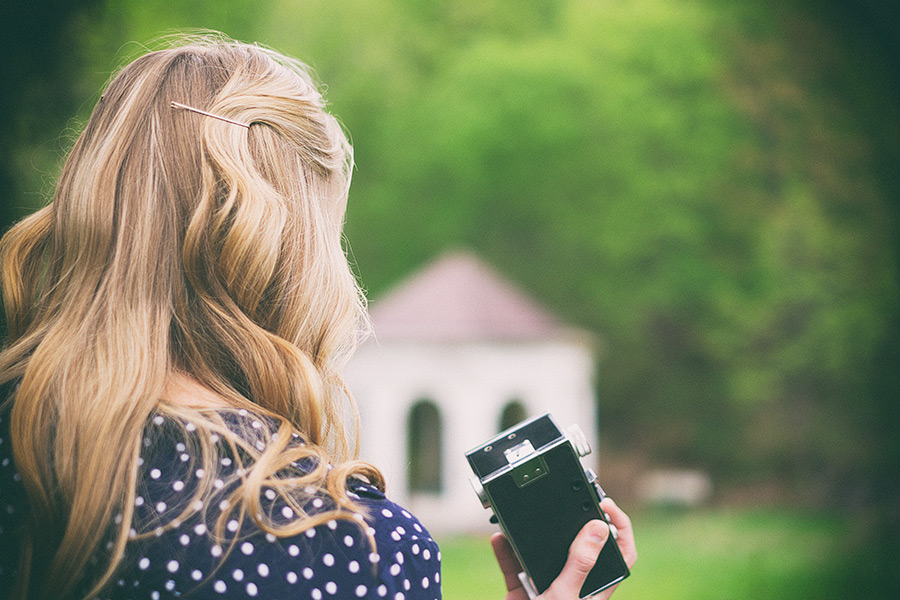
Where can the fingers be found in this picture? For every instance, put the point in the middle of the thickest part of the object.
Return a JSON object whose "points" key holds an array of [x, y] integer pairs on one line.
{"points": [[583, 554], [625, 532], [509, 565]]}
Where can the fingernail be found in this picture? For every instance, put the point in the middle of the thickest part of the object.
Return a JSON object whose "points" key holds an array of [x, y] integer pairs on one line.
{"points": [[600, 531]]}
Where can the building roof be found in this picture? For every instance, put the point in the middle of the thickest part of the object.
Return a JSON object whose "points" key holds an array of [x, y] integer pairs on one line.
{"points": [[459, 298]]}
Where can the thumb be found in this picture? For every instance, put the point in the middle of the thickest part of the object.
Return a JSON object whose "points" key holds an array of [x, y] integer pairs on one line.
{"points": [[583, 555]]}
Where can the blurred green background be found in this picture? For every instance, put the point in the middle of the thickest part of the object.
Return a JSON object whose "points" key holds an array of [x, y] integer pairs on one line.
{"points": [[713, 187]]}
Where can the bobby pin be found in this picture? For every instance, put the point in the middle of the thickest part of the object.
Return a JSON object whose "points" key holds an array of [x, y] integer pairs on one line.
{"points": [[208, 114]]}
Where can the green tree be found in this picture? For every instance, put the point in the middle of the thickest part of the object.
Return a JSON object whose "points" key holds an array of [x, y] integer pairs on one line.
{"points": [[706, 186], [699, 183]]}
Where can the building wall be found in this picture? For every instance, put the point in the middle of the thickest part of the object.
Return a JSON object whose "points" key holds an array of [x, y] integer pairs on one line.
{"points": [[470, 383]]}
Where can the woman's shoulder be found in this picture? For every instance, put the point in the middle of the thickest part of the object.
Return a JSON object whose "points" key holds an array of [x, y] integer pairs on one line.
{"points": [[386, 554]]}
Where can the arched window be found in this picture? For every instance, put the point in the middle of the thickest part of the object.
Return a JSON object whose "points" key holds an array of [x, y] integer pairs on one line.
{"points": [[424, 448], [513, 413]]}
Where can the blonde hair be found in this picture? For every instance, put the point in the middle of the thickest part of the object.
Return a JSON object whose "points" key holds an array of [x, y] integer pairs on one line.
{"points": [[181, 244]]}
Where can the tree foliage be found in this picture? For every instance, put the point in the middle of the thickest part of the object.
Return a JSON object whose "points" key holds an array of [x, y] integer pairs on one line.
{"points": [[699, 184], [704, 185]]}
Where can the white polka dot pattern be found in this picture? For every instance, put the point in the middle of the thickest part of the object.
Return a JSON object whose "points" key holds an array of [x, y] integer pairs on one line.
{"points": [[333, 560]]}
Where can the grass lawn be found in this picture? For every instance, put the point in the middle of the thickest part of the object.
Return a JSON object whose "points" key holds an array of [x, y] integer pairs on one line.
{"points": [[719, 554]]}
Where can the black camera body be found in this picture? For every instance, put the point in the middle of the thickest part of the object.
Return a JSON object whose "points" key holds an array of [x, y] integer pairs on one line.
{"points": [[531, 476]]}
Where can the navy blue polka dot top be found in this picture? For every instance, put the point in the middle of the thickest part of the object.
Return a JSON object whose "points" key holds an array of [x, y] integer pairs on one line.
{"points": [[333, 560]]}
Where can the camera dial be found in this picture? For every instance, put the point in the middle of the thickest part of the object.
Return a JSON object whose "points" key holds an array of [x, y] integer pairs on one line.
{"points": [[579, 440]]}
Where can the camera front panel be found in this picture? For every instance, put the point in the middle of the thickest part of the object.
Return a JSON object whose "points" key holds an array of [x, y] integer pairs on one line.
{"points": [[532, 478], [542, 504]]}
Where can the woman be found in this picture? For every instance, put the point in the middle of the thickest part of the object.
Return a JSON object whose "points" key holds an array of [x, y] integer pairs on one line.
{"points": [[173, 422]]}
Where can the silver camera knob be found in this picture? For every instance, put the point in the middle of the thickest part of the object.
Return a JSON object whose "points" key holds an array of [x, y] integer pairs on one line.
{"points": [[579, 440], [479, 491]]}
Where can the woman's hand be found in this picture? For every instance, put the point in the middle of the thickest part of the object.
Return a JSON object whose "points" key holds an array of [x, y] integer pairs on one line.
{"points": [[583, 554]]}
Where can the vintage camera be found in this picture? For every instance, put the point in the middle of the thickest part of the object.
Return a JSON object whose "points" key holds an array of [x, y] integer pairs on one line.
{"points": [[532, 477]]}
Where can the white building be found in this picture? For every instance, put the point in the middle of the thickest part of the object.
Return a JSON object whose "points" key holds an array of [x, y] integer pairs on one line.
{"points": [[458, 355]]}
